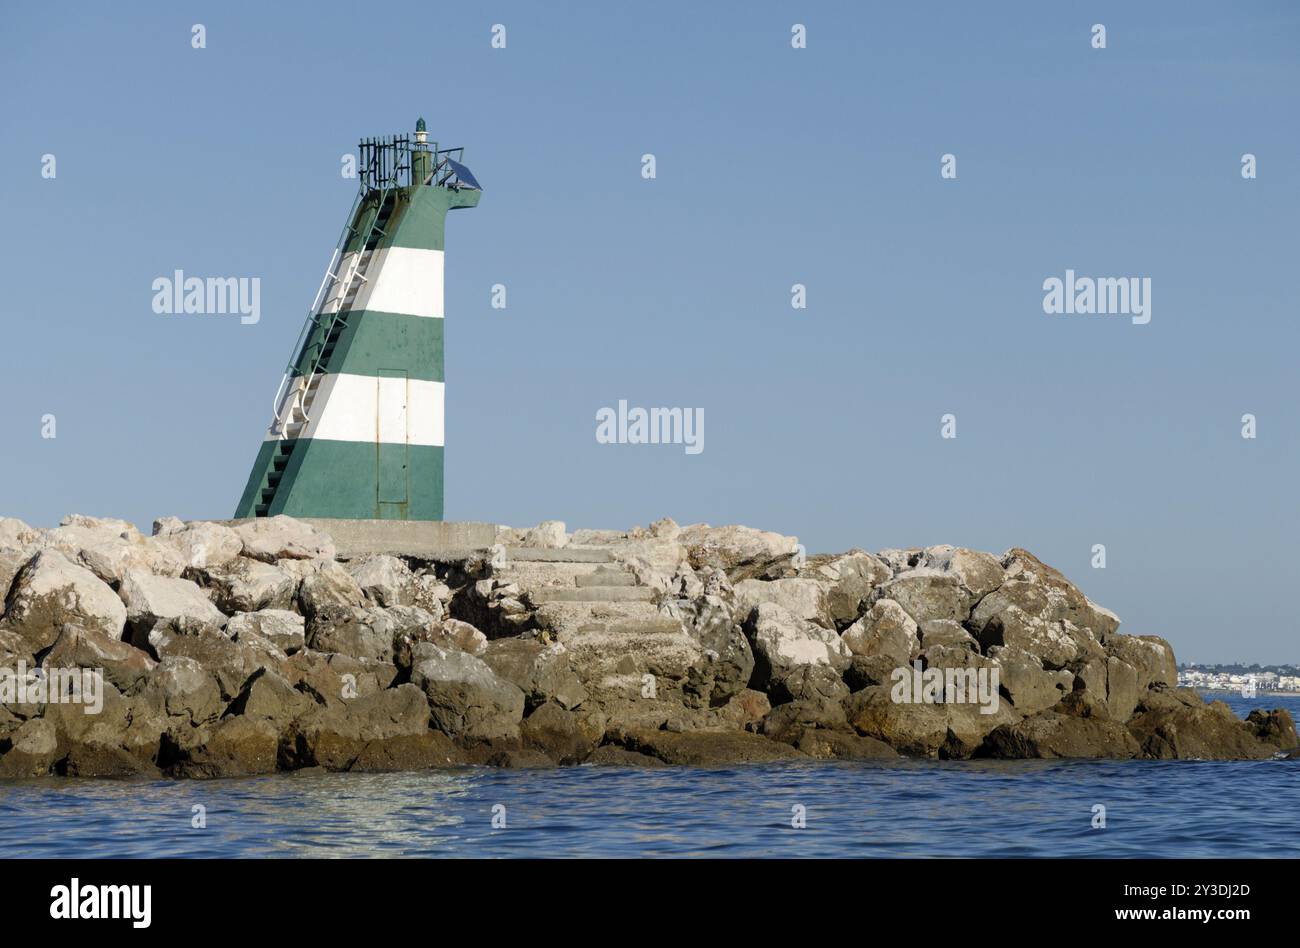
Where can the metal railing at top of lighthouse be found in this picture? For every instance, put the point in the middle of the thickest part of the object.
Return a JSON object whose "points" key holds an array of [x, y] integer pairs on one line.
{"points": [[387, 176]]}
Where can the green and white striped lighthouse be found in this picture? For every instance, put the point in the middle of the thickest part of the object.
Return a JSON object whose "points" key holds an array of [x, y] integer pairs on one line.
{"points": [[357, 430]]}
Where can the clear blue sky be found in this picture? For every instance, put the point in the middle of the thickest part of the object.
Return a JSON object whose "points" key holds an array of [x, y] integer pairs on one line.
{"points": [[775, 166]]}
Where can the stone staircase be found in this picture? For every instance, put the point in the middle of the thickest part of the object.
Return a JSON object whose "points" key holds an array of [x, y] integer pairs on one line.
{"points": [[596, 607], [575, 575]]}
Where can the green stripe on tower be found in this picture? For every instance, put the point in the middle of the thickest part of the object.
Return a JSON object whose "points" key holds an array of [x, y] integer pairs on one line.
{"points": [[370, 339]]}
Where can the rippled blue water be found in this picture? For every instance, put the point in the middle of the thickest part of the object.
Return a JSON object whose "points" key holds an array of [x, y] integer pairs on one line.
{"points": [[904, 808]]}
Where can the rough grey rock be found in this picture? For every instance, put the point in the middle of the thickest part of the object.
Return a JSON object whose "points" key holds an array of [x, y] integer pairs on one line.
{"points": [[268, 696], [549, 534], [1151, 657], [1052, 734], [33, 751], [333, 680], [151, 599], [567, 737], [466, 698], [1191, 729], [185, 691], [926, 593], [124, 665], [367, 632], [851, 579], [233, 747], [804, 598], [52, 591], [728, 660], [248, 585], [945, 632], [200, 545], [920, 729], [285, 629], [283, 538], [385, 580], [732, 547], [781, 642], [840, 745], [542, 672], [1027, 684], [886, 630], [336, 737]]}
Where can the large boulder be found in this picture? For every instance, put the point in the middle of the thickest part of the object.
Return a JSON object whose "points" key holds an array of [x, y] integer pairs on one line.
{"points": [[269, 697], [248, 585], [124, 665], [922, 729], [185, 691], [368, 632], [567, 737], [1275, 728], [925, 593], [16, 536], [333, 680], [448, 633], [283, 538], [231, 663], [733, 548], [283, 628], [632, 658], [801, 597], [542, 672], [841, 745], [850, 580], [809, 696], [385, 580], [1026, 683], [233, 747], [885, 630], [33, 750], [977, 573], [782, 642], [1025, 615], [1035, 596], [52, 591], [1183, 727], [728, 660], [151, 599], [111, 560], [336, 737], [466, 698], [1151, 657], [200, 545], [549, 534], [1053, 734], [329, 588]]}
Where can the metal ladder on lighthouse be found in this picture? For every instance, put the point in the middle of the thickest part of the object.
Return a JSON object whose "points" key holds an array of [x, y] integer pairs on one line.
{"points": [[293, 402]]}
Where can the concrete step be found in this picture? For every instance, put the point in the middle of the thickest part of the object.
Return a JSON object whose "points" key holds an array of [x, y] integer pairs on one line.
{"points": [[567, 554], [592, 594], [606, 577]]}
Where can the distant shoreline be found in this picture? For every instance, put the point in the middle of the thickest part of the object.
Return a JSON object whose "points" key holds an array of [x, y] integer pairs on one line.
{"points": [[1259, 692]]}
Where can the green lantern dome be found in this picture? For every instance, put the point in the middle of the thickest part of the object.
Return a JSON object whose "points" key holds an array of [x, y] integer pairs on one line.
{"points": [[419, 124]]}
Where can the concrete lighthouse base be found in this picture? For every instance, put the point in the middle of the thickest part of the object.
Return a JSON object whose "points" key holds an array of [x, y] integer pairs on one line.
{"points": [[426, 539]]}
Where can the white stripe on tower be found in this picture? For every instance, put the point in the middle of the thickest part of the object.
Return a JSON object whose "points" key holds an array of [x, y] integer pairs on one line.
{"points": [[402, 280], [370, 409]]}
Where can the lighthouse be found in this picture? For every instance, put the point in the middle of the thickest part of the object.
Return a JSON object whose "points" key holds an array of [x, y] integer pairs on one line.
{"points": [[357, 421]]}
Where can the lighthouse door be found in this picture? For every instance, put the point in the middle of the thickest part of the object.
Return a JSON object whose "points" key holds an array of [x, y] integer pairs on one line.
{"points": [[392, 445]]}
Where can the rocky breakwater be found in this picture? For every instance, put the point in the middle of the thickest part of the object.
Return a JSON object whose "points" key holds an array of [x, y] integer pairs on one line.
{"points": [[211, 650]]}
